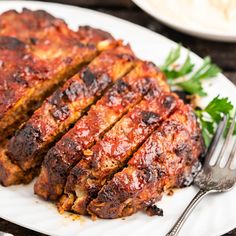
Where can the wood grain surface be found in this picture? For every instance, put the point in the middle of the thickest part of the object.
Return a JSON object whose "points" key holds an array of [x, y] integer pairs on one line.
{"points": [[223, 54]]}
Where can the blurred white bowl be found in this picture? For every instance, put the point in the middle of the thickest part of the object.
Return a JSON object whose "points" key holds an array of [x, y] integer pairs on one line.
{"points": [[209, 19]]}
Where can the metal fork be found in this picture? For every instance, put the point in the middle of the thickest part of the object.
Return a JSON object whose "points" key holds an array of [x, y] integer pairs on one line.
{"points": [[212, 178]]}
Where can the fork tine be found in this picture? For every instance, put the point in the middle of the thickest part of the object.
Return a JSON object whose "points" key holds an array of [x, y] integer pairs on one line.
{"points": [[216, 138], [231, 156], [226, 142]]}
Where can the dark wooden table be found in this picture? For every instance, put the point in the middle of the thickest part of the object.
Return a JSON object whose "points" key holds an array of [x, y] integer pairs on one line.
{"points": [[223, 54]]}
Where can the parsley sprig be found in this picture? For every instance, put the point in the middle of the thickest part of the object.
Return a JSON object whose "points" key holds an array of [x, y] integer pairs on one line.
{"points": [[192, 82], [189, 81], [211, 115], [168, 66]]}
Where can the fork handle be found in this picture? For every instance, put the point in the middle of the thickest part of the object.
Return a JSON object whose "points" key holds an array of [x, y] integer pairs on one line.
{"points": [[178, 225]]}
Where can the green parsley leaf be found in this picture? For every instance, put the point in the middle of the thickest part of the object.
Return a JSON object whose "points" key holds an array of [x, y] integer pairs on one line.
{"points": [[217, 107], [185, 69], [212, 115], [172, 57], [206, 71], [206, 137], [208, 125], [213, 112], [194, 85]]}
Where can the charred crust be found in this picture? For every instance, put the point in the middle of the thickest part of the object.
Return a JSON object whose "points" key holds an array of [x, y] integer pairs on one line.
{"points": [[68, 142], [184, 179], [170, 126], [33, 40], [149, 118], [10, 43], [153, 65], [153, 210], [88, 77], [187, 178], [119, 197], [74, 90], [160, 173], [59, 168], [152, 91], [61, 113], [196, 137], [149, 174], [95, 34], [39, 19], [55, 166], [168, 101], [114, 192], [126, 57], [122, 86], [102, 83], [74, 175], [70, 94], [183, 150], [94, 160], [55, 98], [68, 60], [24, 143], [43, 15], [78, 171], [39, 13], [72, 149], [19, 79], [144, 85], [93, 190]]}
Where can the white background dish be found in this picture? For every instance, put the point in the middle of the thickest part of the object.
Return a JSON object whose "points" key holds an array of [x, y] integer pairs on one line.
{"points": [[166, 12], [216, 214]]}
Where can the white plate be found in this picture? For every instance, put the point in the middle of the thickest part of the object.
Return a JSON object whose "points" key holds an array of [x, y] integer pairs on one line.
{"points": [[215, 215], [167, 12]]}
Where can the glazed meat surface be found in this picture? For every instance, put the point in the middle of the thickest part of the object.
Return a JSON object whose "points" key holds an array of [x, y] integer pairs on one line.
{"points": [[37, 53], [123, 95], [66, 105], [112, 135], [113, 151], [15, 57], [27, 24], [89, 35], [169, 158]]}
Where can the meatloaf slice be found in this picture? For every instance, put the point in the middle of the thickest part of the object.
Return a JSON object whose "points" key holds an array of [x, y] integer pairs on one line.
{"points": [[169, 158], [47, 53], [18, 69], [123, 95], [114, 150], [65, 106]]}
